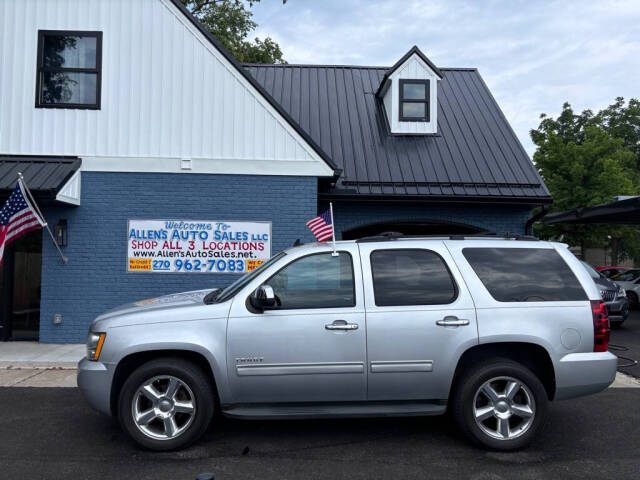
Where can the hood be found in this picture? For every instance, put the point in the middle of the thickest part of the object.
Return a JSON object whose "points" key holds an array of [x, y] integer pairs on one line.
{"points": [[628, 285], [176, 306]]}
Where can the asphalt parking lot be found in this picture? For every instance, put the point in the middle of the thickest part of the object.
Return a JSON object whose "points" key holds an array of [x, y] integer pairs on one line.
{"points": [[628, 336], [50, 433]]}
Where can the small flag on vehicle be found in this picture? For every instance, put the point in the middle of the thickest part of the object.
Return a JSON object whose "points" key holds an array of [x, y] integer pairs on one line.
{"points": [[17, 217], [321, 226]]}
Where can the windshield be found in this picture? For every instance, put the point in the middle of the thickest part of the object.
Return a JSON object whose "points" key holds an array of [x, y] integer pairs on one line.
{"points": [[592, 271], [232, 289]]}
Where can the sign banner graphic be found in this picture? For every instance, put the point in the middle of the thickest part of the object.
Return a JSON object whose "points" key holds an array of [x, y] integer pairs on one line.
{"points": [[197, 246]]}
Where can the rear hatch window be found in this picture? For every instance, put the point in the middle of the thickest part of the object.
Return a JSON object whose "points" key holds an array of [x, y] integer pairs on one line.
{"points": [[525, 274]]}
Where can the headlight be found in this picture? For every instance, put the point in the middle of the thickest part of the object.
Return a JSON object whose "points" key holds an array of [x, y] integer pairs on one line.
{"points": [[621, 292], [94, 345]]}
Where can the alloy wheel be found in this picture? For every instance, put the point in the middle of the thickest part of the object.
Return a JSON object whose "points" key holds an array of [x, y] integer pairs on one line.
{"points": [[163, 407], [504, 408]]}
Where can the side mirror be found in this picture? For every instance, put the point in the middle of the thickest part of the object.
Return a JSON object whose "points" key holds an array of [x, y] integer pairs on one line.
{"points": [[263, 297]]}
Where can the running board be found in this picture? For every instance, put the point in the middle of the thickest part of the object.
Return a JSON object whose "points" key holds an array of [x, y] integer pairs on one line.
{"points": [[333, 410]]}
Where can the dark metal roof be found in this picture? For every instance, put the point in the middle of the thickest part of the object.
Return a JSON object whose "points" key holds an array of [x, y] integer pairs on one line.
{"points": [[231, 59], [622, 212], [44, 176], [474, 156]]}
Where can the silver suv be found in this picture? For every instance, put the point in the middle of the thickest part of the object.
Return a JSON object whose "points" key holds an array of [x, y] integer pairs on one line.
{"points": [[491, 329]]}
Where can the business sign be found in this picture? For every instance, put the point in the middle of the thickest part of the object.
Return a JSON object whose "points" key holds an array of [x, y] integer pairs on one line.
{"points": [[197, 246]]}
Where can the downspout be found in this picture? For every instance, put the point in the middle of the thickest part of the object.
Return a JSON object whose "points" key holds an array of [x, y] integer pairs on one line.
{"points": [[528, 228]]}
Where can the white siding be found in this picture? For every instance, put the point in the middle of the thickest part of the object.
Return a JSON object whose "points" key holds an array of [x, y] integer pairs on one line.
{"points": [[167, 94], [413, 68]]}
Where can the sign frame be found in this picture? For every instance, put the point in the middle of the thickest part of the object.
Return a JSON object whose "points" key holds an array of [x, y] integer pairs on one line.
{"points": [[129, 220]]}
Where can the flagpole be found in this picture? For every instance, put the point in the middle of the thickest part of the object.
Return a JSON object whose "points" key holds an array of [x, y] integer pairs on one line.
{"points": [[42, 219], [333, 231]]}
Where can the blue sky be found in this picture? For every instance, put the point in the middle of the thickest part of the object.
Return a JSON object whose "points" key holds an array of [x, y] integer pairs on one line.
{"points": [[534, 55]]}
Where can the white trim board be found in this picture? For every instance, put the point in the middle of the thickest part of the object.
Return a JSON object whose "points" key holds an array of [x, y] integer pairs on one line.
{"points": [[71, 191], [220, 166]]}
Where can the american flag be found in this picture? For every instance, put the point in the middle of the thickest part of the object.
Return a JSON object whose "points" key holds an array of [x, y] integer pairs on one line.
{"points": [[321, 226], [17, 217]]}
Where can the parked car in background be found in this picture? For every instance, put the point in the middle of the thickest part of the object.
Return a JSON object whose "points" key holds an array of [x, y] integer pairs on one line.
{"points": [[490, 329], [613, 295], [610, 271], [630, 281]]}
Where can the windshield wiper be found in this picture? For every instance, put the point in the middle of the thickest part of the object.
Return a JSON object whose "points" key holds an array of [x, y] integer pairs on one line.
{"points": [[211, 297]]}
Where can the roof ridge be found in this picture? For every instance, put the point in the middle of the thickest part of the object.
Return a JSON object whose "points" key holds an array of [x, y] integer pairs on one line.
{"points": [[360, 67]]}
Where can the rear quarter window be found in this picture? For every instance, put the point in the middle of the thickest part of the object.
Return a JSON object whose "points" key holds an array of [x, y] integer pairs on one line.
{"points": [[525, 274]]}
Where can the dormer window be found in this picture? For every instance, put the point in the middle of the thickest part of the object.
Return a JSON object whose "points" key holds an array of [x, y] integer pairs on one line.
{"points": [[414, 100], [409, 95]]}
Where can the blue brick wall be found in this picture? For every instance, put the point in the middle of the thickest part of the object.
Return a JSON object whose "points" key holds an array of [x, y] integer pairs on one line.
{"points": [[494, 218], [95, 279]]}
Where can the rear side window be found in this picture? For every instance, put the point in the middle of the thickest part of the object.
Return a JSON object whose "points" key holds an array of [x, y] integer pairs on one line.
{"points": [[524, 274], [627, 276], [411, 277]]}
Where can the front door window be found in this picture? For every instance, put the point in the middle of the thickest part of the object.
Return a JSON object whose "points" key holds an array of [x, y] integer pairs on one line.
{"points": [[316, 281]]}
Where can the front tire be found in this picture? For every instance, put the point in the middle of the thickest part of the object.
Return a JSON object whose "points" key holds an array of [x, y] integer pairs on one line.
{"points": [[166, 404], [500, 404]]}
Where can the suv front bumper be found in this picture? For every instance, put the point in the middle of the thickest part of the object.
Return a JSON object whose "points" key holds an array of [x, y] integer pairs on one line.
{"points": [[94, 381], [579, 374]]}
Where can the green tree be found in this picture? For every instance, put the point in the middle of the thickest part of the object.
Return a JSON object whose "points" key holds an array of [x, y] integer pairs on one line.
{"points": [[231, 23], [622, 121], [587, 159]]}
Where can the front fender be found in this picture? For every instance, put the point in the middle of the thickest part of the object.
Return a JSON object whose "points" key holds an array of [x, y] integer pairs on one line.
{"points": [[205, 337]]}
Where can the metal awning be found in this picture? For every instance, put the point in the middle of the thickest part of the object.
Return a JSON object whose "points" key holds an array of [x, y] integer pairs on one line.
{"points": [[621, 212], [50, 179]]}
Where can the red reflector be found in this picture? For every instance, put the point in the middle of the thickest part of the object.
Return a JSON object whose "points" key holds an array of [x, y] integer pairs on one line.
{"points": [[601, 329]]}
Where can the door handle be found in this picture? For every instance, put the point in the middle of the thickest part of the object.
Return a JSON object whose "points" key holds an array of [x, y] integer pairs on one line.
{"points": [[451, 321], [341, 325]]}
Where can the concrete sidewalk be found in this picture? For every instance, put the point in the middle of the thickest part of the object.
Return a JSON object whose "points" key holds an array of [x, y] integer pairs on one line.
{"points": [[40, 355], [32, 364]]}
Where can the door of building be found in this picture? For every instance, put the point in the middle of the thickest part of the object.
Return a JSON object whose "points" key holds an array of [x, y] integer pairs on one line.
{"points": [[20, 281]]}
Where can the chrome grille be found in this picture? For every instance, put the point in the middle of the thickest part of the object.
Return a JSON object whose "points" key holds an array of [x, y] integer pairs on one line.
{"points": [[608, 295]]}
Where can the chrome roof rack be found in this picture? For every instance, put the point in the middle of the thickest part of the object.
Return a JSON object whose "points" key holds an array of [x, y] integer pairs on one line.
{"points": [[391, 236]]}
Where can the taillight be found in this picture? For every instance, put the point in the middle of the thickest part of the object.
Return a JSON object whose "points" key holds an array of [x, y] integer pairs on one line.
{"points": [[600, 326]]}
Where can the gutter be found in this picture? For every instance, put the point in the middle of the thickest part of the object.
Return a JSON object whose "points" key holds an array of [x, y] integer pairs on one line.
{"points": [[528, 228]]}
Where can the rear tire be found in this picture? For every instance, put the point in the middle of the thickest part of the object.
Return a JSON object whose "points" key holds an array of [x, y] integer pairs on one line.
{"points": [[166, 404], [499, 404]]}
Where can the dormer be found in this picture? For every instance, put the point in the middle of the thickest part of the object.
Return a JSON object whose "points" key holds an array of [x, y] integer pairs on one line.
{"points": [[409, 94]]}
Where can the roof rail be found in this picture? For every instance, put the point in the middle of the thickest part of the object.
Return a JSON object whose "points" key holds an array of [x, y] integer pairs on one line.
{"points": [[383, 237], [390, 236], [505, 236]]}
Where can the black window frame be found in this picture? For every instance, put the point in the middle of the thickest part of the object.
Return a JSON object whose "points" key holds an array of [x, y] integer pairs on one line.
{"points": [[456, 289], [40, 69], [280, 309], [402, 100]]}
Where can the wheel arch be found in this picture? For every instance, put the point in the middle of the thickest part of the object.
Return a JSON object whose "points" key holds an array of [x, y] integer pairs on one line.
{"points": [[131, 361], [532, 355]]}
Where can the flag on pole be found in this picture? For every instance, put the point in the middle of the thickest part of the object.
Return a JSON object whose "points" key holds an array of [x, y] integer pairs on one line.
{"points": [[321, 226], [17, 217]]}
